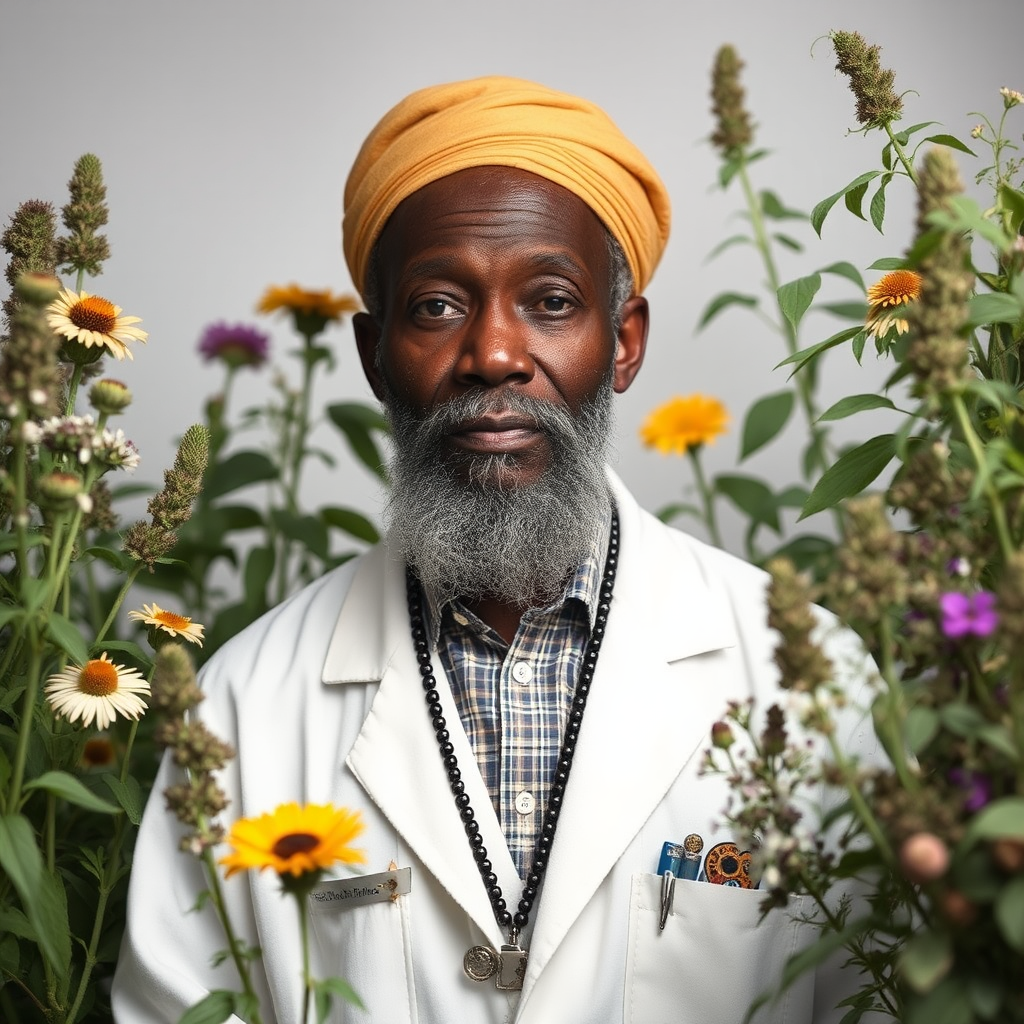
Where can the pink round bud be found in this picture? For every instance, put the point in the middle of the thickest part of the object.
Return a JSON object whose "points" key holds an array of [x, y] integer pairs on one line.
{"points": [[924, 857], [721, 735]]}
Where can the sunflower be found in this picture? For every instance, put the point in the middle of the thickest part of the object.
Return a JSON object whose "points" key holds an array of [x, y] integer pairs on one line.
{"points": [[93, 321], [177, 625], [98, 690], [895, 289], [295, 840], [683, 423], [291, 297]]}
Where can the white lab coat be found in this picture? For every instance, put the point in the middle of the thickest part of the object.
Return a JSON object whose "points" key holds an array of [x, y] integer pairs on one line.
{"points": [[323, 702]]}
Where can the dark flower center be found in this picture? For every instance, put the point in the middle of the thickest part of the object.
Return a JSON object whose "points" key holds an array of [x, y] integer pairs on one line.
{"points": [[93, 314], [293, 843]]}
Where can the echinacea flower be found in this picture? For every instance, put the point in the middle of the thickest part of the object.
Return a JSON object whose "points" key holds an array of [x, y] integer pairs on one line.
{"points": [[893, 290], [93, 321], [968, 614], [98, 690], [300, 300], [683, 423], [169, 622], [294, 841], [234, 345], [98, 752]]}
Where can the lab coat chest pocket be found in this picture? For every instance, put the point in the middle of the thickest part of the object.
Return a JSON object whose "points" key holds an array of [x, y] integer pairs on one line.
{"points": [[369, 947], [714, 957]]}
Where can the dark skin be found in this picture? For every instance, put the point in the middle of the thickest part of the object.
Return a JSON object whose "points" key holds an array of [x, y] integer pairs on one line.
{"points": [[496, 278]]}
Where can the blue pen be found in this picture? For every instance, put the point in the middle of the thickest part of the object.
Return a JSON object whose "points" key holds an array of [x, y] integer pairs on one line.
{"points": [[678, 860]]}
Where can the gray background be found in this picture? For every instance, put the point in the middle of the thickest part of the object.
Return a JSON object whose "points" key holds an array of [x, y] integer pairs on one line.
{"points": [[226, 130]]}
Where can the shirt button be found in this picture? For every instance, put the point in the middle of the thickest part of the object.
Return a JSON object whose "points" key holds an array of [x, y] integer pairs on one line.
{"points": [[525, 802], [521, 672]]}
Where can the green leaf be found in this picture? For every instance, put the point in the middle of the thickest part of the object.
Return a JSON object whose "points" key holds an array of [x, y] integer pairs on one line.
{"points": [[22, 862], [771, 206], [116, 559], [728, 243], [124, 647], [325, 991], [853, 404], [358, 422], [128, 794], [796, 296], [724, 301], [789, 242], [962, 719], [920, 728], [889, 263], [964, 214], [241, 469], [805, 355], [820, 212], [949, 140], [926, 958], [903, 137], [1010, 913], [854, 199], [1001, 819], [214, 1008], [877, 207], [64, 633], [765, 419], [67, 787], [305, 530], [994, 308], [847, 270], [751, 496], [851, 473], [805, 551], [1013, 200], [9, 542], [678, 508], [259, 567], [352, 522]]}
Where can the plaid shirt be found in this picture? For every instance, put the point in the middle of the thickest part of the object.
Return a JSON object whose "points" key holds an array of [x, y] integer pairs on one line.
{"points": [[514, 699]]}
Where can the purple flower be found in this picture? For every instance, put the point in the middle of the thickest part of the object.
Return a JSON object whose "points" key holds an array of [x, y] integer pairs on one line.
{"points": [[234, 344], [976, 786], [965, 614]]}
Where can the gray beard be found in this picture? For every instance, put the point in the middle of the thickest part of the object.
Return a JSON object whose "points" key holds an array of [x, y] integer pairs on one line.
{"points": [[469, 538]]}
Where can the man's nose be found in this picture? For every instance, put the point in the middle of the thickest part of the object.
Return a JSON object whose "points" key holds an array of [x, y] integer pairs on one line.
{"points": [[495, 349]]}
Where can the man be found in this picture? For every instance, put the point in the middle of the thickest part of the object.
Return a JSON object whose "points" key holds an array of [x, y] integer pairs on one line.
{"points": [[575, 652]]}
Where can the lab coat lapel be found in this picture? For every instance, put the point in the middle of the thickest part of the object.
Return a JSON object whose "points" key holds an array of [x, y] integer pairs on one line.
{"points": [[654, 696], [395, 756]]}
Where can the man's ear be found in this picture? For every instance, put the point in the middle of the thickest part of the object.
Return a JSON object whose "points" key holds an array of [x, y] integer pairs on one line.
{"points": [[632, 339], [367, 332]]}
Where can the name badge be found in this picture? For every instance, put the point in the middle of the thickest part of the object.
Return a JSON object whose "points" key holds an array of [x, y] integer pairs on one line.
{"points": [[343, 893]]}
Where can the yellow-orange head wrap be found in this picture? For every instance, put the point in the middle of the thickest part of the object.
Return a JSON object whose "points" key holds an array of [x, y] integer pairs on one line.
{"points": [[506, 122]]}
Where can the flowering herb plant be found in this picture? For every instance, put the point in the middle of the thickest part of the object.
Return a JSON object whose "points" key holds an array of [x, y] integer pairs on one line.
{"points": [[72, 694], [927, 834], [251, 540]]}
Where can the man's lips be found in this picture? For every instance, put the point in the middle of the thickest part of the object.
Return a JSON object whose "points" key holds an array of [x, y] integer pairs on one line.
{"points": [[496, 434]]}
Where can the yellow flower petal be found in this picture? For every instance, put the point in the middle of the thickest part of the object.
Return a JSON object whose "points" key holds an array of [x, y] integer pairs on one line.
{"points": [[683, 423]]}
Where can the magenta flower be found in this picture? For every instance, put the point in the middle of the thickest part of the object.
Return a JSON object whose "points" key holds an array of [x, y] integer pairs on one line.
{"points": [[967, 614], [234, 344]]}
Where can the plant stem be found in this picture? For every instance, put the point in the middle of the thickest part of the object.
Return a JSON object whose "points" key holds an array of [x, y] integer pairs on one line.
{"points": [[76, 378], [307, 987], [898, 149], [27, 720], [707, 498], [115, 606]]}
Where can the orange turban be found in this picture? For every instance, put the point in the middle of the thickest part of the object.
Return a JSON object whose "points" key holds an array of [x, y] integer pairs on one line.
{"points": [[506, 122]]}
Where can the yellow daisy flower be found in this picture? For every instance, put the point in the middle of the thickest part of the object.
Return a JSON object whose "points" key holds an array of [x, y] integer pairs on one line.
{"points": [[683, 423], [98, 690], [93, 321], [295, 840], [299, 300], [169, 622], [892, 290]]}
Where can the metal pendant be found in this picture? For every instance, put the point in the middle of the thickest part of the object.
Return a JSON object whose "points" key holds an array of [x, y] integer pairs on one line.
{"points": [[507, 967]]}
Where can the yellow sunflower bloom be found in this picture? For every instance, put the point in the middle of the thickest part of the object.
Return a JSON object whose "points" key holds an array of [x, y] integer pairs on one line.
{"points": [[683, 423], [169, 622], [98, 690], [300, 300], [896, 289], [94, 322], [295, 840]]}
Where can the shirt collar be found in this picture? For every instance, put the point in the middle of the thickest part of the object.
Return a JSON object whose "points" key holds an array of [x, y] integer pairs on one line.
{"points": [[584, 585]]}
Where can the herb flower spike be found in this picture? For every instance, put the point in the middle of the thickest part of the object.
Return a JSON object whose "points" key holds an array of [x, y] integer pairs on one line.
{"points": [[872, 85]]}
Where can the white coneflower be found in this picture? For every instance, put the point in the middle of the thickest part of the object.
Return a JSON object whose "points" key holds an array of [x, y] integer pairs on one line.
{"points": [[98, 690]]}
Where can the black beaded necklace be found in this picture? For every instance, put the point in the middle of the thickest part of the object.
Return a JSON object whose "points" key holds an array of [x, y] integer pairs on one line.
{"points": [[508, 965]]}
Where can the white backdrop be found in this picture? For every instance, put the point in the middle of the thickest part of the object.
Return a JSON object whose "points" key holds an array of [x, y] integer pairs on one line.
{"points": [[226, 129]]}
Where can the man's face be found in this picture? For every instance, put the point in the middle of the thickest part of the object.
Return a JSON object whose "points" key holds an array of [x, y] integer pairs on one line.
{"points": [[496, 281]]}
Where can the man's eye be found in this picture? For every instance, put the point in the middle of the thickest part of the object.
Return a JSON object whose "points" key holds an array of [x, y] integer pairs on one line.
{"points": [[435, 309], [554, 303]]}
